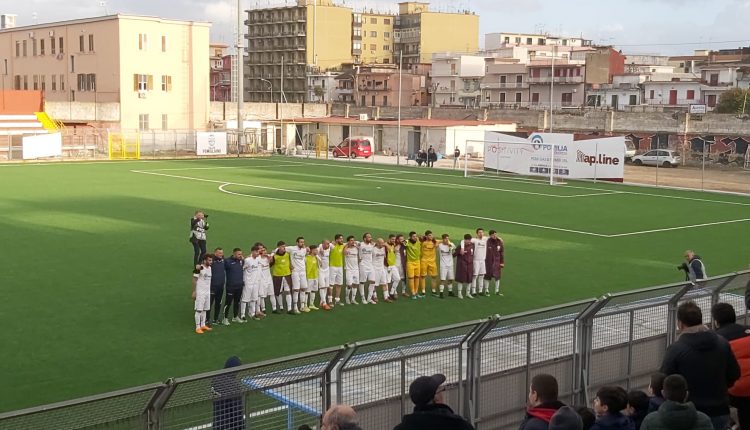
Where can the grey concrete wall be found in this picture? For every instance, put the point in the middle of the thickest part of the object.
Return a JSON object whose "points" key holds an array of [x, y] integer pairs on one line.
{"points": [[83, 111]]}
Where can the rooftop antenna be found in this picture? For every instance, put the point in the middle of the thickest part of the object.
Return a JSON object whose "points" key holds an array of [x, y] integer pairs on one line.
{"points": [[103, 5]]}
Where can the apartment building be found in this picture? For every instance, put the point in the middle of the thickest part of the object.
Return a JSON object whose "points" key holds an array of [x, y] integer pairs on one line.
{"points": [[372, 38], [155, 71], [493, 41], [505, 84], [221, 73], [420, 33], [321, 86], [568, 78], [312, 33], [457, 78]]}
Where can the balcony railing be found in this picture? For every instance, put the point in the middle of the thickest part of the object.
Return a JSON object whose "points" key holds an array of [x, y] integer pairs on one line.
{"points": [[557, 80], [503, 85]]}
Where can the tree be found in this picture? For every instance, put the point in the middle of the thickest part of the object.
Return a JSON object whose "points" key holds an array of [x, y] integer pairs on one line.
{"points": [[319, 92], [734, 101]]}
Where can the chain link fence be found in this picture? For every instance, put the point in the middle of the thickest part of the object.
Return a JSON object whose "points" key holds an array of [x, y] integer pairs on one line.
{"points": [[618, 339]]}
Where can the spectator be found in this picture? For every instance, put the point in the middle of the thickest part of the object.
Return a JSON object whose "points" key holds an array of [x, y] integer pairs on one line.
{"points": [[676, 413], [694, 268], [566, 418], [608, 406], [421, 157], [340, 417], [430, 410], [637, 408], [431, 156], [654, 391], [587, 416], [229, 411], [198, 228], [707, 363], [725, 321], [456, 156], [543, 403]]}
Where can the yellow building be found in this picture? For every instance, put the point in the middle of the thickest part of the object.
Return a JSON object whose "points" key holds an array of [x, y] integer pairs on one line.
{"points": [[419, 33], [122, 71], [314, 33], [375, 31]]}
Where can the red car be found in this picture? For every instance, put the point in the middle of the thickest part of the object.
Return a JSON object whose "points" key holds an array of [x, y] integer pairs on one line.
{"points": [[354, 147]]}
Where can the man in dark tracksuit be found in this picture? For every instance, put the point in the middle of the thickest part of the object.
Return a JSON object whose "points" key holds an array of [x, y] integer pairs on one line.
{"points": [[235, 283], [218, 276]]}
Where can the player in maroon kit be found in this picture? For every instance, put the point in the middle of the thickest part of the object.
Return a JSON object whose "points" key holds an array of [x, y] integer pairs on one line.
{"points": [[465, 267], [495, 261]]}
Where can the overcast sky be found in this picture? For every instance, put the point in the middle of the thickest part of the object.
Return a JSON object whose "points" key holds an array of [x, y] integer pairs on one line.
{"points": [[636, 26]]}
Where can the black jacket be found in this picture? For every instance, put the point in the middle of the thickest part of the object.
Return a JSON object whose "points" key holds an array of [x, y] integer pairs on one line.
{"points": [[433, 417], [732, 332], [235, 279], [709, 366], [218, 274], [538, 417], [616, 421]]}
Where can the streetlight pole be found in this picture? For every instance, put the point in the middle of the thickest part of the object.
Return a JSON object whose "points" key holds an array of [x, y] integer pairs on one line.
{"points": [[240, 76], [398, 138], [552, 89], [270, 88]]}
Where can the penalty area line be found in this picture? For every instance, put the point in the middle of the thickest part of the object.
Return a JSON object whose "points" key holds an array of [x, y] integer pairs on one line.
{"points": [[684, 227]]}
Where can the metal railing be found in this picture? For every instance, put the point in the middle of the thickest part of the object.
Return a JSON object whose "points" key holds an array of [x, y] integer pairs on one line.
{"points": [[617, 339]]}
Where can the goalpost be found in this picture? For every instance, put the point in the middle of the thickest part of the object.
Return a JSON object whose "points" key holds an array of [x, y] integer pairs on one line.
{"points": [[515, 158]]}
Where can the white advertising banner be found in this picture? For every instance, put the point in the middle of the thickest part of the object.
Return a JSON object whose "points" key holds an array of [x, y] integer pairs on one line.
{"points": [[42, 146], [580, 159], [211, 143]]}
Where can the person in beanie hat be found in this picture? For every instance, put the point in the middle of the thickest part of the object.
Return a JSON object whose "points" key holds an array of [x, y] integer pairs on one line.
{"points": [[430, 410], [566, 418]]}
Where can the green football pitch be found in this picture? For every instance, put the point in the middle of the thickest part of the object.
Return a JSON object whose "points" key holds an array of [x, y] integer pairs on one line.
{"points": [[96, 285]]}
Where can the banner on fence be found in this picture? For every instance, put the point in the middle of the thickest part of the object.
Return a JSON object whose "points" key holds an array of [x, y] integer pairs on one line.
{"points": [[42, 146], [575, 159], [211, 143]]}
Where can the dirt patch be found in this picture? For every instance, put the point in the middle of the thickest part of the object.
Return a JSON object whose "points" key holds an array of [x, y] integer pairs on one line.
{"points": [[733, 180]]}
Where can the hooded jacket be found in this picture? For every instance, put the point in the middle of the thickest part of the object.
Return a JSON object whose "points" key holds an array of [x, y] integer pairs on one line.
{"points": [[677, 416], [709, 366], [229, 411], [433, 417], [538, 417], [739, 341], [616, 421]]}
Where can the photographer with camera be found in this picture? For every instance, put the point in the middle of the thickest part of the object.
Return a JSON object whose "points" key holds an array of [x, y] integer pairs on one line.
{"points": [[693, 267], [198, 228]]}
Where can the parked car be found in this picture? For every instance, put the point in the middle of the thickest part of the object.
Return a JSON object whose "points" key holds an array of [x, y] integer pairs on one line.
{"points": [[353, 147], [658, 157]]}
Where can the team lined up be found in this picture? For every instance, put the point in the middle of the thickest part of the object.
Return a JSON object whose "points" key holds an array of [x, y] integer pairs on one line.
{"points": [[298, 276]]}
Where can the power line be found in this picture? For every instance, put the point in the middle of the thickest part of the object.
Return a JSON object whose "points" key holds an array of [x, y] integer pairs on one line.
{"points": [[710, 42]]}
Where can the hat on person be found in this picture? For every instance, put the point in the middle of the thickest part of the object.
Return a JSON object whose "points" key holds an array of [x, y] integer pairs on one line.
{"points": [[424, 388], [566, 418]]}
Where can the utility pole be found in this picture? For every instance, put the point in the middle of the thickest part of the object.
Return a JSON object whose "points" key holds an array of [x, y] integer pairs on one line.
{"points": [[552, 89], [398, 138], [240, 76], [281, 105]]}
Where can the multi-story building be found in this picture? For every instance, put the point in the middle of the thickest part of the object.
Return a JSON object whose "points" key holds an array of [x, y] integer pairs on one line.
{"points": [[672, 90], [493, 41], [716, 79], [321, 86], [505, 84], [603, 64], [221, 73], [568, 79], [378, 85], [624, 91], [372, 38], [155, 71], [456, 79], [420, 33], [314, 33]]}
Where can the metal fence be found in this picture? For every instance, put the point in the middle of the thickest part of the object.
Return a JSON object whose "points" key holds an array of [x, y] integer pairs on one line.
{"points": [[617, 339]]}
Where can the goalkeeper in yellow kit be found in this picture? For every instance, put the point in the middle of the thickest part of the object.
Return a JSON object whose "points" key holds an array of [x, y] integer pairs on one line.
{"points": [[413, 262], [428, 263]]}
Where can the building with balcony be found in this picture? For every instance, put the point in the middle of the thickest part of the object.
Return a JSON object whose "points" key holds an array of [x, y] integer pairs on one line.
{"points": [[672, 90], [493, 41], [505, 84], [560, 83], [624, 91], [378, 85], [718, 78], [314, 33], [603, 64], [456, 79], [419, 33], [221, 73], [372, 38], [149, 73], [321, 86]]}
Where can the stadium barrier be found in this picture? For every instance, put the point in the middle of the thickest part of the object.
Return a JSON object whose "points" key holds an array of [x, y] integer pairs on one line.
{"points": [[617, 339]]}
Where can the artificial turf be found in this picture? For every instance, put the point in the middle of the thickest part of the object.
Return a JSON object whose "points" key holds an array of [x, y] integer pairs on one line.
{"points": [[96, 283]]}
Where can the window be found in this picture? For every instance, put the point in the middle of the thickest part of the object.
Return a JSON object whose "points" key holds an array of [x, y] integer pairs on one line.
{"points": [[373, 21], [633, 100], [518, 97], [519, 79], [567, 99], [357, 32], [373, 101], [386, 35], [507, 40], [143, 122], [61, 45], [54, 82], [62, 82], [387, 21], [81, 82], [565, 42], [142, 42], [41, 46], [356, 46], [711, 101], [518, 40], [373, 34], [164, 122], [651, 94], [72, 64], [503, 79], [18, 48], [385, 100], [17, 82], [91, 43], [24, 48], [52, 45], [164, 44], [72, 95], [91, 81], [81, 47], [540, 41], [36, 82], [143, 82], [33, 47], [43, 82], [386, 47], [691, 94], [502, 97], [25, 82], [535, 98], [529, 41], [166, 83]]}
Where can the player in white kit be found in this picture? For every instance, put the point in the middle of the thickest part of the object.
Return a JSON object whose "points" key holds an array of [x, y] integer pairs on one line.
{"points": [[202, 293], [380, 271], [298, 254], [480, 268], [324, 256], [366, 277], [351, 265], [251, 290], [395, 268], [266, 281], [445, 250]]}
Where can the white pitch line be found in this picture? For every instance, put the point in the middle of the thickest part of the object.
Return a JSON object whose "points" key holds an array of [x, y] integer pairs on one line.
{"points": [[684, 227], [223, 167], [358, 203], [502, 221]]}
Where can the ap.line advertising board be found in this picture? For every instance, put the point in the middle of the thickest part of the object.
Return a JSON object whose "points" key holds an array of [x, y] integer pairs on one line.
{"points": [[211, 143], [582, 159]]}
